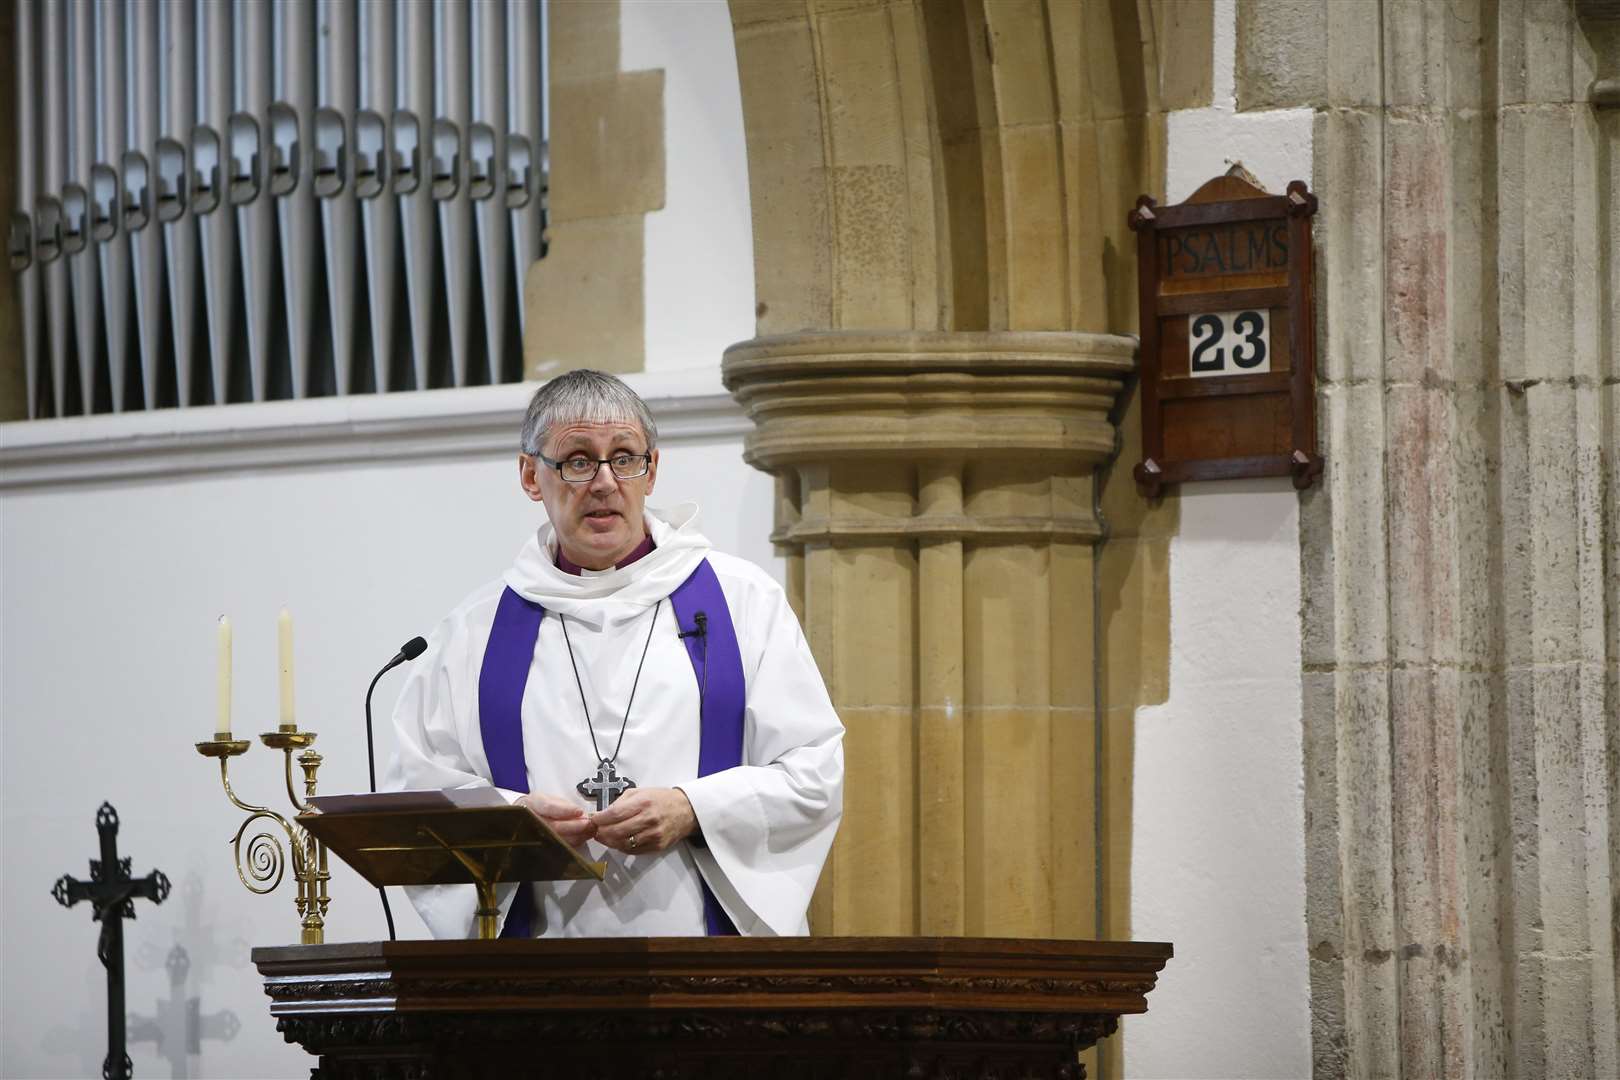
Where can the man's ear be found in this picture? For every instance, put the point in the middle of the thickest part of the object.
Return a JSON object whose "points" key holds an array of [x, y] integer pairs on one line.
{"points": [[652, 471], [529, 477]]}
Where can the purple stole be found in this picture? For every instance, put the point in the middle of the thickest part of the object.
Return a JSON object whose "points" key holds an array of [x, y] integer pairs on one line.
{"points": [[716, 663]]}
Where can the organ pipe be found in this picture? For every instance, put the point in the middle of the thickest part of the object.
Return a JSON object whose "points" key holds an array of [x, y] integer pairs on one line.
{"points": [[220, 200]]}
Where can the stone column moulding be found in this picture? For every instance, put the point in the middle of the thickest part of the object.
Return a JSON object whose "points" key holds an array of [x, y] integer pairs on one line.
{"points": [[937, 509], [1458, 564]]}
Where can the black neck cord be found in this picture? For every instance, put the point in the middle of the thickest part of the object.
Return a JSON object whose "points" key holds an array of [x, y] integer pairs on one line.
{"points": [[588, 725]]}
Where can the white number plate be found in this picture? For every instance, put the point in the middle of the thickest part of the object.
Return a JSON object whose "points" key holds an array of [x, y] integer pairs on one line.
{"points": [[1229, 343]]}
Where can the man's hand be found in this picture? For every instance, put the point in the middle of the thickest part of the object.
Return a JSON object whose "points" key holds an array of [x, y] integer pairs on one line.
{"points": [[644, 821], [568, 821]]}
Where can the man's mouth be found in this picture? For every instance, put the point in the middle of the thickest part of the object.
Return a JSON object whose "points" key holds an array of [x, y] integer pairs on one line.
{"points": [[601, 515]]}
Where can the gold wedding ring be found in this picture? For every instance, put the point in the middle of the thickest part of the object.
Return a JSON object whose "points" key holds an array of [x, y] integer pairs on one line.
{"points": [[632, 841]]}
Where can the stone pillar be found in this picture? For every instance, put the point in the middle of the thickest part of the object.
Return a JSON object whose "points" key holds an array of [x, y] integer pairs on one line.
{"points": [[586, 300], [942, 179], [938, 503], [1461, 711], [942, 266]]}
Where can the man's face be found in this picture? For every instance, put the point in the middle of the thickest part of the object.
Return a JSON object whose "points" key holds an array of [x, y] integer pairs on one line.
{"points": [[598, 522]]}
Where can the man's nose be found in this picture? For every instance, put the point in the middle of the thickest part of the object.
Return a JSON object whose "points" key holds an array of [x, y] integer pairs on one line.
{"points": [[604, 481]]}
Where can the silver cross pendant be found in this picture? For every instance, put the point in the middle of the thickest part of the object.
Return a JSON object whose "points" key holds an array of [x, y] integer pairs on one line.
{"points": [[606, 786]]}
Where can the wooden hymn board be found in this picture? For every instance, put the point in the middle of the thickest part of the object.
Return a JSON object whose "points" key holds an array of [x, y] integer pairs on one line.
{"points": [[1228, 335]]}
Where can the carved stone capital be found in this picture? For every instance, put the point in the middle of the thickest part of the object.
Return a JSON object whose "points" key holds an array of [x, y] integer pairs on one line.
{"points": [[888, 436], [815, 397]]}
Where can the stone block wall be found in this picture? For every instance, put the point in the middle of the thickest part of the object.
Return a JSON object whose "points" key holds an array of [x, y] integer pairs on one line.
{"points": [[607, 149], [1461, 633], [938, 191]]}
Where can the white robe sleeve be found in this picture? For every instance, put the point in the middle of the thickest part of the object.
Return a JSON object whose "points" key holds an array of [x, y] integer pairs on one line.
{"points": [[432, 751], [769, 823]]}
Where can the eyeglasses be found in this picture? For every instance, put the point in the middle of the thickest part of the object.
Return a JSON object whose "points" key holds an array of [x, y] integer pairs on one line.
{"points": [[580, 469]]}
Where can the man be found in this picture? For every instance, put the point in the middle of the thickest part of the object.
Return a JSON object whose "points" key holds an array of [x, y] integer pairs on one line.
{"points": [[651, 699]]}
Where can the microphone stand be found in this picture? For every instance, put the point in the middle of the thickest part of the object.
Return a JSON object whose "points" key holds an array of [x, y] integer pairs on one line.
{"points": [[411, 651]]}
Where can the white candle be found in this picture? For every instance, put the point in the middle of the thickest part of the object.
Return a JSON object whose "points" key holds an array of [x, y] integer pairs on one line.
{"points": [[284, 628], [222, 725]]}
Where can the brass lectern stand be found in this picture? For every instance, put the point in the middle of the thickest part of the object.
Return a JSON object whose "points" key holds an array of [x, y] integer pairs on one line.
{"points": [[445, 838]]}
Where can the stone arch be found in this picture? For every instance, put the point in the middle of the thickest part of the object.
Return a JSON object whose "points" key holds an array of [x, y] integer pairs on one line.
{"points": [[945, 281], [957, 165]]}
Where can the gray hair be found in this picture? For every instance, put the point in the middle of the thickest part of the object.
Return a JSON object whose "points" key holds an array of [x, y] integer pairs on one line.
{"points": [[591, 396]]}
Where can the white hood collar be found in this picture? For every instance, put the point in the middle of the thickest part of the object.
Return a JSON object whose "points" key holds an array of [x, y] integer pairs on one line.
{"points": [[599, 598]]}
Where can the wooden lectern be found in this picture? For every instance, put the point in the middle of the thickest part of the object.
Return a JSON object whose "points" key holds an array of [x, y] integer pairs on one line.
{"points": [[700, 1008], [472, 836], [617, 1008]]}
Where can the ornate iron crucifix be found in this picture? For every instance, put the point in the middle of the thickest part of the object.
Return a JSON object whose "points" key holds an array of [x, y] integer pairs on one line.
{"points": [[112, 892], [605, 786]]}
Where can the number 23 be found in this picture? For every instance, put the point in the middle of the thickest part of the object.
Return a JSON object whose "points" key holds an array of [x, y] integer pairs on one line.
{"points": [[1248, 353]]}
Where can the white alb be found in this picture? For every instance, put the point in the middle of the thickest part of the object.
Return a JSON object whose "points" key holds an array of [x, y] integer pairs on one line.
{"points": [[767, 824]]}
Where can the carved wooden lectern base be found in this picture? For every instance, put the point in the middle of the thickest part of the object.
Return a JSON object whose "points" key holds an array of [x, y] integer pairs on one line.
{"points": [[833, 1008]]}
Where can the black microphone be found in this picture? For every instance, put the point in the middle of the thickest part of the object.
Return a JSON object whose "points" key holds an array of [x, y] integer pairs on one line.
{"points": [[408, 651], [701, 632]]}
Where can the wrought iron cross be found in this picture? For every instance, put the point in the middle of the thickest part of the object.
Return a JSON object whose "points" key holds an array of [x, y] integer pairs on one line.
{"points": [[605, 786], [112, 893]]}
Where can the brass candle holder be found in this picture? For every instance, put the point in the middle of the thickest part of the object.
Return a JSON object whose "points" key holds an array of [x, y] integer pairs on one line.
{"points": [[266, 862]]}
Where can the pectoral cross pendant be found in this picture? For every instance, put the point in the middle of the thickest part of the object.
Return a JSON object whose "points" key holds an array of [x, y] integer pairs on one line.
{"points": [[605, 786]]}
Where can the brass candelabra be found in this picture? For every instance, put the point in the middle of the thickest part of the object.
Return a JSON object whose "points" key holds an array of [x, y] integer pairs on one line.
{"points": [[266, 863]]}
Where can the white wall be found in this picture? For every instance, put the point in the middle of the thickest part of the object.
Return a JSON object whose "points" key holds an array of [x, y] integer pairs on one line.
{"points": [[110, 592], [1218, 845], [1217, 858], [369, 518]]}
